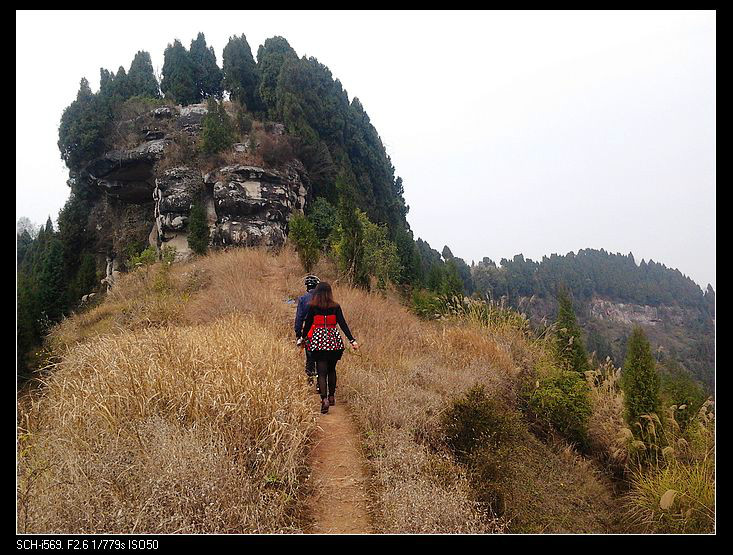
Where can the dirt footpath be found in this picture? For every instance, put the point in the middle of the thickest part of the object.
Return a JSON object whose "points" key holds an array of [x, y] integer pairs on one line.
{"points": [[338, 478]]}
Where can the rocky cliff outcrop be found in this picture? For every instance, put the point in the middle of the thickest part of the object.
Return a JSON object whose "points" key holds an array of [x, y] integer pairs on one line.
{"points": [[633, 314], [253, 204], [149, 191]]}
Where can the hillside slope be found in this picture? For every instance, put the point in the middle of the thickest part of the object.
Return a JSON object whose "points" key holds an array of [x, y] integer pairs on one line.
{"points": [[179, 404]]}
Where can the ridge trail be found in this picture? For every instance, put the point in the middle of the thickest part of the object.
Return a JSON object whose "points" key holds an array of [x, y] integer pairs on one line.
{"points": [[338, 504]]}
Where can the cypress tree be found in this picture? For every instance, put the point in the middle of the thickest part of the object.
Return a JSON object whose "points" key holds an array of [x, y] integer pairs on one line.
{"points": [[208, 76], [435, 278], [120, 87], [73, 234], [351, 248], [451, 285], [240, 72], [28, 314], [569, 341], [84, 281], [51, 281], [303, 235], [23, 244], [85, 91], [82, 127], [198, 229], [105, 82], [270, 59], [179, 75], [639, 378], [141, 78]]}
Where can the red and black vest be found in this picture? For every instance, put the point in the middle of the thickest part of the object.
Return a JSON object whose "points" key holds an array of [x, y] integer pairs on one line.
{"points": [[323, 335]]}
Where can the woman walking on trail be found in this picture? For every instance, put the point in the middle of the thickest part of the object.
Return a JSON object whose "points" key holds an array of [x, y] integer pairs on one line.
{"points": [[323, 340]]}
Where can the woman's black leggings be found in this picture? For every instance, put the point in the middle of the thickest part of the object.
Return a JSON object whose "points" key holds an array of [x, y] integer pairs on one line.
{"points": [[326, 376]]}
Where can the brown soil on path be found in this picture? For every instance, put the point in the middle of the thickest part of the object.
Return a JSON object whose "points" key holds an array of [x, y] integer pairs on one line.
{"points": [[339, 501]]}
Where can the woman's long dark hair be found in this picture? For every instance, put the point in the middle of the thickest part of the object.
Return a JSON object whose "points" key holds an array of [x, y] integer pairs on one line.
{"points": [[323, 296]]}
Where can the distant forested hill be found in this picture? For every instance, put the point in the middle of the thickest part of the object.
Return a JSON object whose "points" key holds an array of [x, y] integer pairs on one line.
{"points": [[612, 293], [592, 272]]}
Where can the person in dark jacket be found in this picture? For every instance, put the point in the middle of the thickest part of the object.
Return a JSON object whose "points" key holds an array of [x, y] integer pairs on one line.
{"points": [[323, 341], [310, 283]]}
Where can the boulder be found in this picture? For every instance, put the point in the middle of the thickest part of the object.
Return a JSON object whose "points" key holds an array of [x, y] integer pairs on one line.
{"points": [[175, 192], [177, 189], [253, 204], [192, 115], [153, 134], [162, 112]]}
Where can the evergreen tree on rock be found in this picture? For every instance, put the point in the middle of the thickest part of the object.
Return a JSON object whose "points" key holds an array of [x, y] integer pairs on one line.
{"points": [[208, 75], [240, 72], [82, 127], [141, 78], [120, 88], [198, 229], [179, 75], [217, 130], [270, 58]]}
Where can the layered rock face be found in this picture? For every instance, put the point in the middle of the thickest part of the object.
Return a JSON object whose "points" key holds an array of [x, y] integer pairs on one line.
{"points": [[253, 204], [631, 314], [246, 205]]}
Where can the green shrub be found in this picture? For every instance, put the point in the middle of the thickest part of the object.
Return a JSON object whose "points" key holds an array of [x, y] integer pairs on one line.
{"points": [[426, 304], [348, 238], [168, 255], [217, 133], [243, 121], [679, 389], [481, 433], [561, 399], [304, 238], [476, 420], [144, 258], [381, 258]]}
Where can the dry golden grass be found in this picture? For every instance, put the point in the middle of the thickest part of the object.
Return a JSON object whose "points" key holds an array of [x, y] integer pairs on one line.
{"points": [[606, 423], [178, 406], [177, 429]]}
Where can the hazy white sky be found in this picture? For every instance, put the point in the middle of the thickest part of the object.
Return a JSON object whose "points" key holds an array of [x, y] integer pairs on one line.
{"points": [[514, 132]]}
